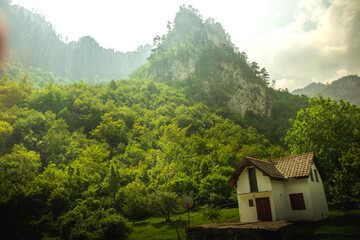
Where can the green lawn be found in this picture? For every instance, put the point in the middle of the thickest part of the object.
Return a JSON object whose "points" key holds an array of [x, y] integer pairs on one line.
{"points": [[157, 228], [340, 225]]}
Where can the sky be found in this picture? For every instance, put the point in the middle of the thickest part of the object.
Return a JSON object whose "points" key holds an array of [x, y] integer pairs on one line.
{"points": [[297, 41]]}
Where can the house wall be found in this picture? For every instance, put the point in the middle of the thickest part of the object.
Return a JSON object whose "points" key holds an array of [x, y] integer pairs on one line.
{"points": [[314, 198], [281, 200], [246, 212], [299, 186], [318, 197]]}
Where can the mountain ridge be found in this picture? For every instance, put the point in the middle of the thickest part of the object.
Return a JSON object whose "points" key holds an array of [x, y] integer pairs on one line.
{"points": [[345, 88]]}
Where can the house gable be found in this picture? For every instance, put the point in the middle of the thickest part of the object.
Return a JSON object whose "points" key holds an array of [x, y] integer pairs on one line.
{"points": [[267, 168], [243, 184]]}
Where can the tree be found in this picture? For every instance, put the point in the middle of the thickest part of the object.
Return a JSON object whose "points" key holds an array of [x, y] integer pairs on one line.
{"points": [[164, 203], [157, 40], [273, 83], [93, 163], [88, 220], [211, 212], [112, 85], [29, 126], [256, 68], [264, 75], [346, 185], [19, 167], [55, 143], [133, 201], [10, 95], [114, 180], [181, 184], [5, 133], [20, 203], [110, 131], [214, 189], [328, 128]]}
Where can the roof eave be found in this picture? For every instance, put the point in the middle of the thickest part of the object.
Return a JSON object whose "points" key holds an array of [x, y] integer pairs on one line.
{"points": [[278, 179]]}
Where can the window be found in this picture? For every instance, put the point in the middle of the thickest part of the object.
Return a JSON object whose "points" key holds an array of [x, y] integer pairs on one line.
{"points": [[297, 201], [251, 202], [252, 180], [311, 175], [316, 176]]}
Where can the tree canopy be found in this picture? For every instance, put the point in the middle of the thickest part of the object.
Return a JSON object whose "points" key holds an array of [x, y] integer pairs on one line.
{"points": [[331, 130], [83, 158]]}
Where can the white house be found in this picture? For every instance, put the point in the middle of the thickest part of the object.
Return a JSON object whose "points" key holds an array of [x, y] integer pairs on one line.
{"points": [[288, 188]]}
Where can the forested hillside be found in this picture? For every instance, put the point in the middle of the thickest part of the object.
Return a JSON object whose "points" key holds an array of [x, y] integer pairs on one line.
{"points": [[35, 44], [346, 88], [311, 90], [103, 150], [76, 159]]}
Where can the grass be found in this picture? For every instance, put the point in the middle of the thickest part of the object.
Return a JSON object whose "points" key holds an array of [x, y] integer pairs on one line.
{"points": [[340, 225], [157, 228]]}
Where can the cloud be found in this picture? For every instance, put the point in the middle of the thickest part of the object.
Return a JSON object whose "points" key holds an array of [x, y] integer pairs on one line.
{"points": [[285, 83], [320, 45]]}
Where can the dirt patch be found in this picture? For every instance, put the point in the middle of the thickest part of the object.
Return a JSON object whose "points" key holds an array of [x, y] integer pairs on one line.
{"points": [[274, 226], [239, 231]]}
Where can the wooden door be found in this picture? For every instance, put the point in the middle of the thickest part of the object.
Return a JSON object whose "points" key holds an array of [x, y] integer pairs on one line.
{"points": [[263, 209]]}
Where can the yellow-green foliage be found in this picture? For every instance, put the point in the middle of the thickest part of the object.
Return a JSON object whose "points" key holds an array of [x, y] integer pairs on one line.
{"points": [[122, 144]]}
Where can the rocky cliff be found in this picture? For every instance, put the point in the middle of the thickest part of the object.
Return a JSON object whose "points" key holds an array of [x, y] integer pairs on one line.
{"points": [[199, 57]]}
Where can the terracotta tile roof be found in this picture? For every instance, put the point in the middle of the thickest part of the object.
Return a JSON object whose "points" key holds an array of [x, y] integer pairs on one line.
{"points": [[295, 166], [281, 169]]}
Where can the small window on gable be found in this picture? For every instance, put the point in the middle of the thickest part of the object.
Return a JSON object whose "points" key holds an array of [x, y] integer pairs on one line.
{"points": [[316, 176], [297, 201], [251, 202], [252, 180], [311, 175]]}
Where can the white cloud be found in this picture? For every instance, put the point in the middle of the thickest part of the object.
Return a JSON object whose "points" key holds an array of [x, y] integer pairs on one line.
{"points": [[290, 84], [321, 45]]}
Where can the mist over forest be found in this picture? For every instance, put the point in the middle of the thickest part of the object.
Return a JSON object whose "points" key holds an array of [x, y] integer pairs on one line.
{"points": [[36, 48], [97, 143]]}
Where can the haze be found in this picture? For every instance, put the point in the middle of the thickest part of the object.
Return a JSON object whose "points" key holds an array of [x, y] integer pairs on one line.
{"points": [[297, 41]]}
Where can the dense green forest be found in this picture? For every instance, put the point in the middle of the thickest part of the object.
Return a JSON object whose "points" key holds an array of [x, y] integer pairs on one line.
{"points": [[77, 159], [83, 161], [101, 151]]}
